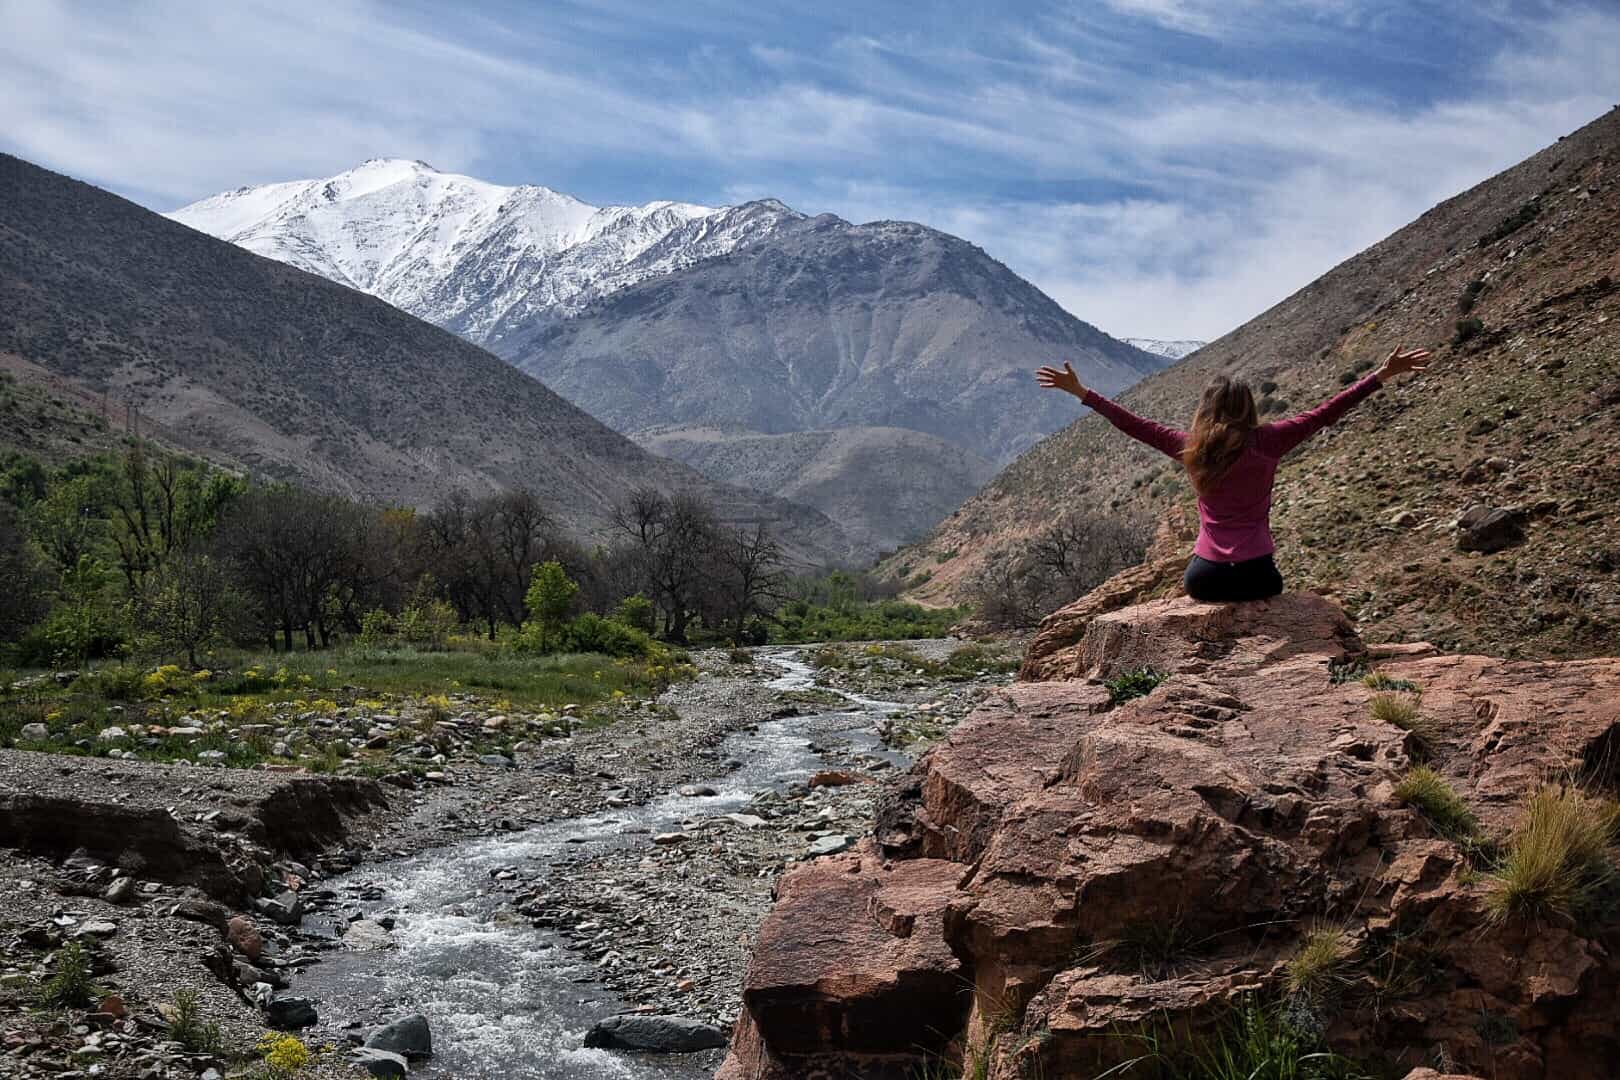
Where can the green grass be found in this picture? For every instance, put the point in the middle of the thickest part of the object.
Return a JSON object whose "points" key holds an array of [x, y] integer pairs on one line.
{"points": [[1257, 1042], [879, 620], [251, 688], [71, 985], [188, 1028], [1402, 712], [1377, 680], [1559, 860], [1428, 792], [1319, 965], [1133, 684], [963, 662]]}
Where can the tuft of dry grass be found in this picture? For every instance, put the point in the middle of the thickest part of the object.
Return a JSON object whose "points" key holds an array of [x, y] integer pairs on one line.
{"points": [[1428, 791], [1320, 962], [1559, 857], [1402, 712]]}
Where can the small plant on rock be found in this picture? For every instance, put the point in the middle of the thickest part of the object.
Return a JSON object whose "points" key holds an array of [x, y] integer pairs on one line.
{"points": [[1136, 683], [1319, 964], [188, 1028], [71, 984], [1427, 791], [1403, 713], [1377, 680], [1559, 859]]}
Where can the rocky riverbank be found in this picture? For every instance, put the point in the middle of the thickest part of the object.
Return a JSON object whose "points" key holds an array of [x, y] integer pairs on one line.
{"points": [[1233, 827], [664, 922]]}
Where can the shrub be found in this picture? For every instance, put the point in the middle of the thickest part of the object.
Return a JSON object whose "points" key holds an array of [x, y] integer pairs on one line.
{"points": [[376, 626], [1470, 295], [1377, 680], [1320, 961], [1257, 1042], [593, 634], [636, 612], [1558, 859], [284, 1055], [1427, 791], [118, 683], [1133, 684], [1467, 330], [551, 594], [1511, 224], [188, 1028], [71, 985], [427, 622]]}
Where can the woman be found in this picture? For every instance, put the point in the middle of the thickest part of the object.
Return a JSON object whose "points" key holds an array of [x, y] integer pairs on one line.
{"points": [[1232, 460]]}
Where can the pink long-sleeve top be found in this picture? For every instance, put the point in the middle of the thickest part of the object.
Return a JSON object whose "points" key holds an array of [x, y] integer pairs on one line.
{"points": [[1234, 517]]}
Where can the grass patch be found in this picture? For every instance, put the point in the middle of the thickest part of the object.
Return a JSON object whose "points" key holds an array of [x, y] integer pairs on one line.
{"points": [[1258, 1042], [1133, 684], [1403, 712], [1377, 680], [1428, 792], [187, 1027], [1351, 669], [1559, 861], [71, 985], [1319, 965]]}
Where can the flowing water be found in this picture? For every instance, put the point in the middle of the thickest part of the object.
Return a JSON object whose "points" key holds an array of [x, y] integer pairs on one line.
{"points": [[505, 999]]}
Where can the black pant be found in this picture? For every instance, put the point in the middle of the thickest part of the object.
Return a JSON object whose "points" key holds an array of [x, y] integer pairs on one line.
{"points": [[1224, 582]]}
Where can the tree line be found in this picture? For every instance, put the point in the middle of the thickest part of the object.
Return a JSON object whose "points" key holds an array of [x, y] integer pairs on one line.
{"points": [[104, 555]]}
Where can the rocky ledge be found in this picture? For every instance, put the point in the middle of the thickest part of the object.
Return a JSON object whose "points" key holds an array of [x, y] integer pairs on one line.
{"points": [[1072, 876]]}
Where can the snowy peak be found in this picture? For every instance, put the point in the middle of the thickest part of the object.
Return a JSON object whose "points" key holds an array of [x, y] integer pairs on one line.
{"points": [[1174, 350], [475, 257]]}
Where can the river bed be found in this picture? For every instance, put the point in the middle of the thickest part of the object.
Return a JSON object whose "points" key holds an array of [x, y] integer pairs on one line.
{"points": [[508, 999]]}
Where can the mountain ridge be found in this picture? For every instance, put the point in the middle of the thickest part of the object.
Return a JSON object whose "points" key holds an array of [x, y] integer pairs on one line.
{"points": [[301, 379]]}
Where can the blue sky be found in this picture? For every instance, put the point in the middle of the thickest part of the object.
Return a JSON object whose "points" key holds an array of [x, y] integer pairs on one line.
{"points": [[1162, 168]]}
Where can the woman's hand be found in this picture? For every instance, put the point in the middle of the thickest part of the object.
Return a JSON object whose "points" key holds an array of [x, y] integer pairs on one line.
{"points": [[1051, 378], [1399, 363]]}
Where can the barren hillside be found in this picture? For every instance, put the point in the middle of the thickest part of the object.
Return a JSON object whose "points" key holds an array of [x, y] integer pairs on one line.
{"points": [[1516, 286]]}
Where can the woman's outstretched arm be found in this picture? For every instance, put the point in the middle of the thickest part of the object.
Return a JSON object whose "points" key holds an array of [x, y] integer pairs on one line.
{"points": [[1166, 440], [1279, 438]]}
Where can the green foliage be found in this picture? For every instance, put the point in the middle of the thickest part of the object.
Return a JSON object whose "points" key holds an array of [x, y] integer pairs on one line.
{"points": [[1350, 669], [636, 612], [551, 594], [1258, 1042], [427, 622], [1320, 962], [1559, 860], [1136, 683], [71, 984], [376, 627], [188, 1028], [1377, 680], [1427, 790], [1467, 330], [593, 634], [186, 604], [844, 617], [1470, 295]]}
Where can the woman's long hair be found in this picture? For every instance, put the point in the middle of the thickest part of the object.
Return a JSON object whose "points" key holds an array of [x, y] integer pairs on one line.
{"points": [[1220, 430]]}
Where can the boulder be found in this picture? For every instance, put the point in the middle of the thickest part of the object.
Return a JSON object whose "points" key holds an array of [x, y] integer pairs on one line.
{"points": [[1066, 868], [367, 935], [379, 1062], [35, 732], [289, 1013], [642, 1033], [1486, 529], [407, 1035], [245, 937]]}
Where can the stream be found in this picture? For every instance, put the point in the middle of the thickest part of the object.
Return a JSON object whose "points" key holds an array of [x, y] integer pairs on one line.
{"points": [[505, 999]]}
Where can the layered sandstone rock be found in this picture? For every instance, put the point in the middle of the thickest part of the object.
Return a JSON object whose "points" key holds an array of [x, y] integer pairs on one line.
{"points": [[1087, 869]]}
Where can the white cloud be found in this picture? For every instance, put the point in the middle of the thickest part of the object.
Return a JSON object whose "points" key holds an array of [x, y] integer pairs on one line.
{"points": [[1205, 198]]}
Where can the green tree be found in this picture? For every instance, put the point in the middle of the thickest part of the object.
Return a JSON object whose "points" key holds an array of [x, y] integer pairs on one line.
{"points": [[186, 603], [551, 594], [27, 584], [636, 612]]}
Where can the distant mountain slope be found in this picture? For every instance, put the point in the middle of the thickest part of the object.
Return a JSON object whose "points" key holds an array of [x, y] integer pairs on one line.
{"points": [[473, 257], [884, 486], [1170, 350], [827, 325], [298, 378], [1521, 410]]}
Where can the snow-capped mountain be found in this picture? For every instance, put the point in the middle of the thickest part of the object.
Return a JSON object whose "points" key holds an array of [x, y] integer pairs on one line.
{"points": [[1174, 350], [474, 257]]}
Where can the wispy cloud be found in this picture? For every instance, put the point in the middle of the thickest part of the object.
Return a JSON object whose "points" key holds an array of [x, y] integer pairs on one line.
{"points": [[1161, 167]]}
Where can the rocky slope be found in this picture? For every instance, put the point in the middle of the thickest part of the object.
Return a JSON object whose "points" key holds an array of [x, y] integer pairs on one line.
{"points": [[296, 378], [1518, 413], [829, 325], [1069, 881], [884, 486]]}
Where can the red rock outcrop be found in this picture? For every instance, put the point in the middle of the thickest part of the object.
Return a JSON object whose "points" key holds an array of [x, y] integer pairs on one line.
{"points": [[1087, 870]]}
